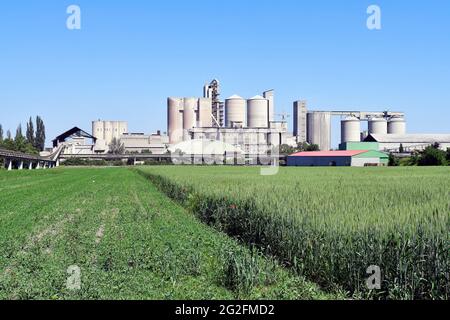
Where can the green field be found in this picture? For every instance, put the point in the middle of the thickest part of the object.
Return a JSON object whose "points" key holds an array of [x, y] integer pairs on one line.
{"points": [[189, 232], [128, 240], [331, 224]]}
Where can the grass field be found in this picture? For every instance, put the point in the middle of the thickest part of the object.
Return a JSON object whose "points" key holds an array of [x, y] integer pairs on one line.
{"points": [[331, 224], [128, 240]]}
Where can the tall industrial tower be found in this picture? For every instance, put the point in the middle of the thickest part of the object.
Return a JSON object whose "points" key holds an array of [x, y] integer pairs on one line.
{"points": [[212, 91]]}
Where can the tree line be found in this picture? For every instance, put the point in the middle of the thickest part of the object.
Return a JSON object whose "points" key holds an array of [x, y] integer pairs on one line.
{"points": [[432, 155], [32, 142]]}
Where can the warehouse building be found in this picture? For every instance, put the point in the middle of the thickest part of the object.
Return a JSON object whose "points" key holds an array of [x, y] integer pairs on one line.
{"points": [[75, 141], [342, 158], [408, 142], [144, 143]]}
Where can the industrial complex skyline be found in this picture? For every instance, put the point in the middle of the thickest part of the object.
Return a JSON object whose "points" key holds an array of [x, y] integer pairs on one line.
{"points": [[126, 60]]}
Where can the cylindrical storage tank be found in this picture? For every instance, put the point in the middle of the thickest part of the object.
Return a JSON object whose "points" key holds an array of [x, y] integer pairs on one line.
{"points": [[204, 113], [114, 130], [397, 126], [97, 129], [257, 112], [318, 130], [174, 120], [378, 126], [108, 128], [188, 116], [350, 130], [235, 108]]}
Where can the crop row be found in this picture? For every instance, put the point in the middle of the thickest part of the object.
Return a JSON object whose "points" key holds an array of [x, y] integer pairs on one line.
{"points": [[331, 225]]}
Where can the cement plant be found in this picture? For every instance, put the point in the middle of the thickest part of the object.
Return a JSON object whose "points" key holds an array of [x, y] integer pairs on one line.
{"points": [[219, 160], [244, 130]]}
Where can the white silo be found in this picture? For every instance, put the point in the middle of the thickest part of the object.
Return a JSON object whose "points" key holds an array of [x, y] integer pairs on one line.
{"points": [[350, 130], [108, 127], [174, 120], [190, 105], [257, 112], [397, 126], [97, 130], [204, 113], [378, 126], [235, 108]]}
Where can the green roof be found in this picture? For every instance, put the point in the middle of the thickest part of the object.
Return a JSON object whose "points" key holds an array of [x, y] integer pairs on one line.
{"points": [[372, 154], [360, 146]]}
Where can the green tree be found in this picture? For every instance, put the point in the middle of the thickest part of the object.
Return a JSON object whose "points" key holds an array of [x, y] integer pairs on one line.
{"points": [[19, 134], [116, 147], [393, 160], [30, 132], [286, 149], [1, 133], [312, 147], [448, 156], [39, 141], [8, 135], [433, 156]]}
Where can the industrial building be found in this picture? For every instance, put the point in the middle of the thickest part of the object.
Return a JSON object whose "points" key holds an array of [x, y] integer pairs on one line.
{"points": [[314, 127], [75, 141], [106, 131], [375, 146], [248, 125], [354, 158], [408, 142], [142, 143], [386, 128], [78, 142]]}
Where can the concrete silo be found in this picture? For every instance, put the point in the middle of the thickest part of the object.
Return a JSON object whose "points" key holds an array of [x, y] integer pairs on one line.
{"points": [[190, 105], [270, 96], [397, 126], [106, 131], [319, 129], [378, 126], [204, 113], [350, 130], [235, 109], [258, 112], [175, 120]]}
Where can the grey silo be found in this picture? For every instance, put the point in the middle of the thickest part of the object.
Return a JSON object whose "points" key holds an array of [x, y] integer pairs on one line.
{"points": [[319, 129]]}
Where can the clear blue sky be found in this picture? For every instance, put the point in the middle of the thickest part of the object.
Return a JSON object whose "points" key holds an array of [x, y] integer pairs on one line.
{"points": [[130, 55]]}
